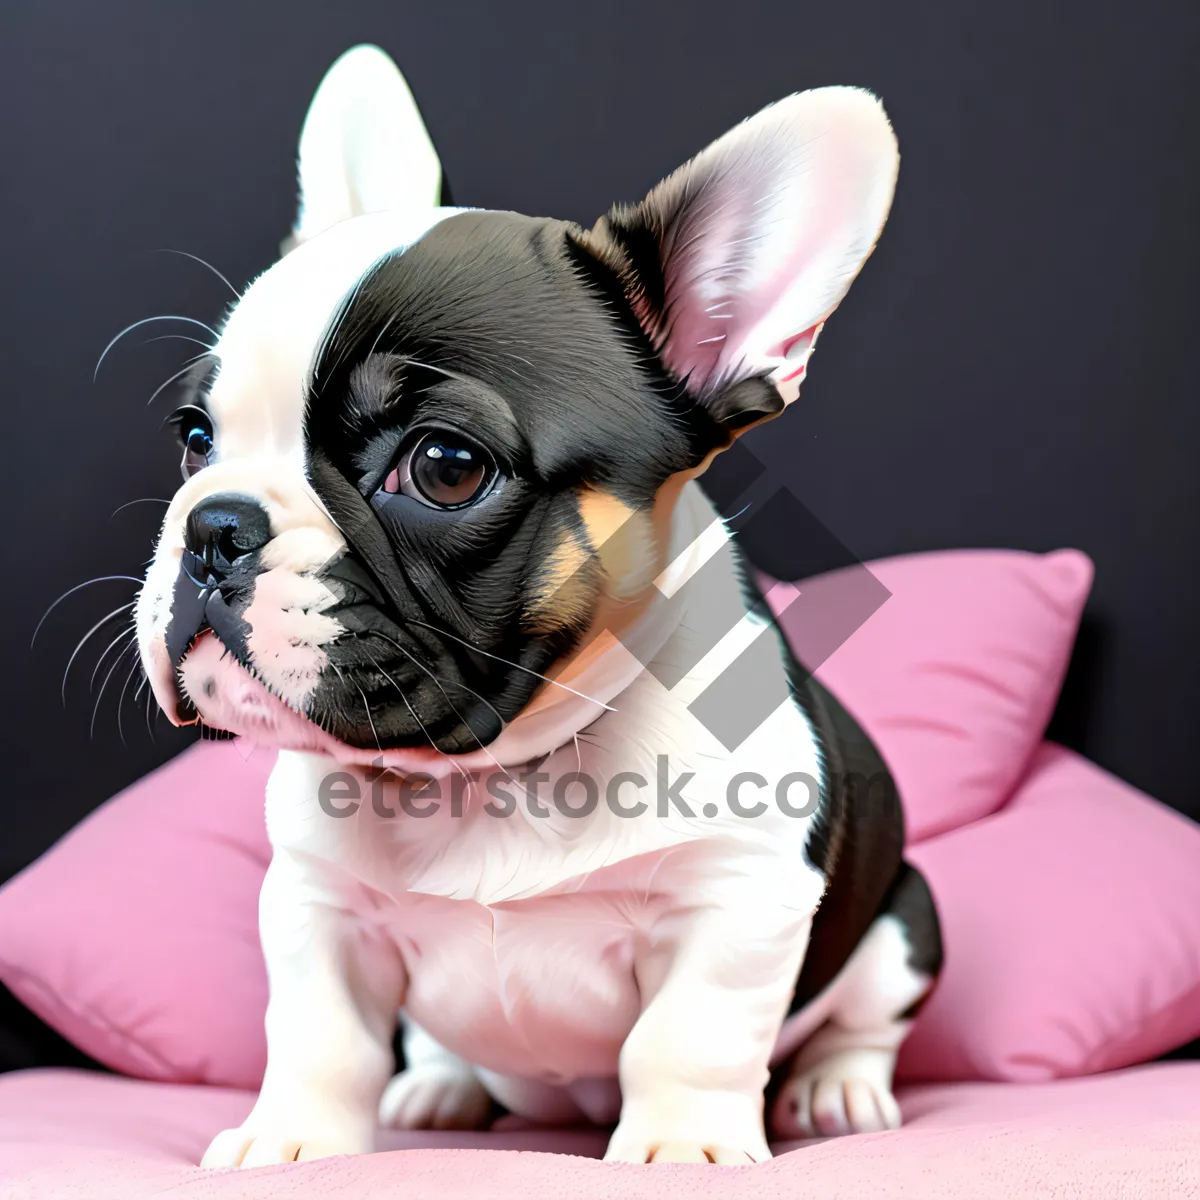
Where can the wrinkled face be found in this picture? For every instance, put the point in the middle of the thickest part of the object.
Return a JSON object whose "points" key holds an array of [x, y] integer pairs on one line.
{"points": [[401, 538], [442, 448]]}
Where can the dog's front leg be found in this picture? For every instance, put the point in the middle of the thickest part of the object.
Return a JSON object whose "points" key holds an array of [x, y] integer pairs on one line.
{"points": [[695, 1064], [335, 985]]}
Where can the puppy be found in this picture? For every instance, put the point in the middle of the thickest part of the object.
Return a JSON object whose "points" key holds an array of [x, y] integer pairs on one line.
{"points": [[440, 541]]}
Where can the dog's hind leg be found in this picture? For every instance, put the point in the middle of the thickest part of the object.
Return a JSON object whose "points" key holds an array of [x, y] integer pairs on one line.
{"points": [[840, 1080], [436, 1089]]}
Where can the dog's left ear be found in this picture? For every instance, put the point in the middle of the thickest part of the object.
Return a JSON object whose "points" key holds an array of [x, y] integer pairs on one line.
{"points": [[733, 263], [364, 147]]}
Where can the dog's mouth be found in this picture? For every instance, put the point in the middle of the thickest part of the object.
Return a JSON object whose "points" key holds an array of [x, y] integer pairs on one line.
{"points": [[206, 642], [226, 696], [223, 695], [199, 607], [243, 655], [374, 689], [213, 677]]}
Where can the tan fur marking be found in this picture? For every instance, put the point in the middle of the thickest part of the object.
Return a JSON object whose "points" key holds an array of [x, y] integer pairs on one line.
{"points": [[623, 541], [565, 588], [632, 547], [603, 515]]}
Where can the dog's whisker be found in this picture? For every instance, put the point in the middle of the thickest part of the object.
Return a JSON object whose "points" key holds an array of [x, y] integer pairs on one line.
{"points": [[515, 666], [425, 366], [139, 500], [96, 708], [124, 635], [180, 337], [462, 686], [370, 719], [133, 670], [478, 740], [403, 696], [147, 321], [204, 263], [462, 771], [184, 370], [84, 641], [366, 705], [149, 701], [379, 336], [332, 335], [77, 588]]}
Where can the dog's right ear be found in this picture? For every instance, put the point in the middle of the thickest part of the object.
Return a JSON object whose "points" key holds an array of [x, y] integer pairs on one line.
{"points": [[733, 263], [364, 147]]}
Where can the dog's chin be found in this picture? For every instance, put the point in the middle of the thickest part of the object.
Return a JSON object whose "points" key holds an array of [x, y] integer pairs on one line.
{"points": [[227, 697]]}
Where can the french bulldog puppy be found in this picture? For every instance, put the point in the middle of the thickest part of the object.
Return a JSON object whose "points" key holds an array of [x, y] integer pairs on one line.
{"points": [[440, 541]]}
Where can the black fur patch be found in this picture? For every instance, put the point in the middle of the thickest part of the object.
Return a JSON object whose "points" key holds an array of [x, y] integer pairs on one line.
{"points": [[508, 330], [856, 840], [911, 903]]}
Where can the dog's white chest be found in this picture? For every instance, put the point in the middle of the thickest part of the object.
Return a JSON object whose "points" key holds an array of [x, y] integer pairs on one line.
{"points": [[539, 988], [519, 934]]}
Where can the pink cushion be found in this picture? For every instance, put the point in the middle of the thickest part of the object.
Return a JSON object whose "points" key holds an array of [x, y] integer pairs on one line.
{"points": [[136, 936], [955, 675], [1071, 922], [143, 946], [1134, 1135]]}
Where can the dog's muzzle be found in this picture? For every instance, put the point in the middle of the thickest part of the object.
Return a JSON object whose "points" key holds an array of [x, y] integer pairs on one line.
{"points": [[221, 532]]}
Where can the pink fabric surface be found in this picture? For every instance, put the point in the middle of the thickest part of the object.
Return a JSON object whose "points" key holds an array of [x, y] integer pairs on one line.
{"points": [[955, 675], [1071, 923], [137, 935], [1134, 1135]]}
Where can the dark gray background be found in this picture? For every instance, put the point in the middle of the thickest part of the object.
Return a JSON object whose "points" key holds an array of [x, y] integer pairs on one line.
{"points": [[1015, 368]]}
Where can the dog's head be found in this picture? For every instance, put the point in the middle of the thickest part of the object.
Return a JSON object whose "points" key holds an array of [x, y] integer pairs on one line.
{"points": [[441, 448]]}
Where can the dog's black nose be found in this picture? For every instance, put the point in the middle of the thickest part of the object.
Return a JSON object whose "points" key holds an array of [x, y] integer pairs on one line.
{"points": [[222, 528]]}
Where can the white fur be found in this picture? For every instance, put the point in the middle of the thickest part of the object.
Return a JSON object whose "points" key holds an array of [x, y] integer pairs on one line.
{"points": [[438, 1090], [364, 147], [548, 951], [559, 957], [848, 1039]]}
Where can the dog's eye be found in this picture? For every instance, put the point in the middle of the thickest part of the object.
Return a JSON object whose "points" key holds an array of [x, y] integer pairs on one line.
{"points": [[194, 427], [444, 470]]}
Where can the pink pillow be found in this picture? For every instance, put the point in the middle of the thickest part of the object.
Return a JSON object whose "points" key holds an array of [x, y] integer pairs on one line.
{"points": [[136, 937], [955, 675], [1071, 923]]}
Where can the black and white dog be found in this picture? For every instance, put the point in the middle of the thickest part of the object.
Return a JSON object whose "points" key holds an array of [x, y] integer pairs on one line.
{"points": [[438, 514]]}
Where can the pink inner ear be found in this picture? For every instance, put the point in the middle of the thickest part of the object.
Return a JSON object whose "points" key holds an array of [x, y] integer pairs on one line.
{"points": [[762, 233], [797, 350]]}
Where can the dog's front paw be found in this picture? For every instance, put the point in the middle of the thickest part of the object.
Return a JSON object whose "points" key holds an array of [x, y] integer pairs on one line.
{"points": [[266, 1139], [435, 1096], [695, 1152], [698, 1127], [848, 1092]]}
